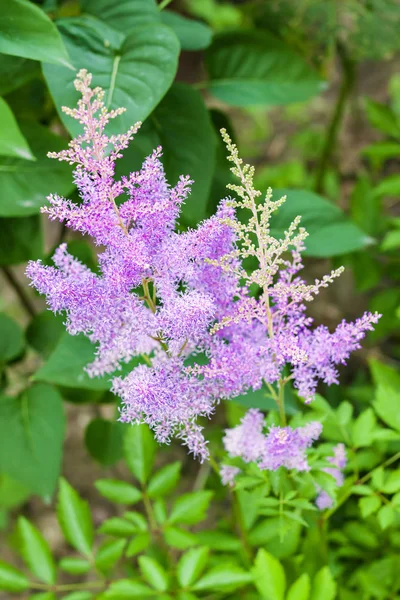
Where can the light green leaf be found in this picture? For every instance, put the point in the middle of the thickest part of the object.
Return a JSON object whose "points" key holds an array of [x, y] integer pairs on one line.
{"points": [[118, 527], [192, 35], [154, 573], [165, 480], [190, 508], [11, 339], [323, 585], [269, 576], [44, 596], [12, 142], [124, 15], [369, 505], [138, 544], [223, 577], [382, 117], [36, 552], [74, 565], [180, 538], [191, 565], [25, 30], [12, 580], [135, 70], [392, 483], [79, 596], [387, 405], [12, 493], [391, 241], [363, 428], [31, 437], [389, 186], [108, 554], [75, 519], [20, 239], [126, 589], [386, 516], [140, 450], [25, 184], [103, 439], [247, 68], [300, 589], [118, 491]]}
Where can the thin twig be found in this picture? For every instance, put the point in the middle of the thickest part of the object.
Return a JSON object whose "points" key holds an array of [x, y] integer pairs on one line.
{"points": [[19, 290]]}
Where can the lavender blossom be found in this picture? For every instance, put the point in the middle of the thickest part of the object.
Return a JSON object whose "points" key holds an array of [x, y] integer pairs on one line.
{"points": [[228, 474], [339, 461]]}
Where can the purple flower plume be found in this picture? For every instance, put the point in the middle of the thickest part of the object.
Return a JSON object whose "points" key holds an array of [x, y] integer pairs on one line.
{"points": [[339, 461]]}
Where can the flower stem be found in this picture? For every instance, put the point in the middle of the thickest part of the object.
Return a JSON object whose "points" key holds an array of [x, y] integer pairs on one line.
{"points": [[280, 400]]}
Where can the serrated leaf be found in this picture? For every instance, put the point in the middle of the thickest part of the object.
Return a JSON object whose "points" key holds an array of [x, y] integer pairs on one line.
{"points": [[74, 565], [164, 481], [191, 565], [323, 585], [300, 589], [108, 555], [269, 576], [36, 552], [140, 450], [25, 30], [134, 70], [154, 573], [118, 491], [75, 518], [12, 580], [223, 577], [190, 508]]}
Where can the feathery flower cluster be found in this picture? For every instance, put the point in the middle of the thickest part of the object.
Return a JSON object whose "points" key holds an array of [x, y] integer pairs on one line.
{"points": [[339, 461], [164, 296]]}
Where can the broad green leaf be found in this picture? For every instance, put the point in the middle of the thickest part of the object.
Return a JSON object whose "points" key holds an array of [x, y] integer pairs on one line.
{"points": [[118, 491], [323, 585], [126, 589], [383, 118], [192, 35], [12, 142], [191, 565], [74, 565], [25, 30], [269, 576], [363, 428], [223, 577], [386, 516], [44, 331], [104, 440], [15, 72], [31, 437], [165, 480], [248, 68], [20, 239], [25, 184], [154, 573], [138, 544], [368, 505], [135, 71], [190, 508], [331, 233], [75, 519], [124, 15], [11, 339], [12, 580], [181, 124], [108, 554], [36, 552], [300, 589], [140, 450]]}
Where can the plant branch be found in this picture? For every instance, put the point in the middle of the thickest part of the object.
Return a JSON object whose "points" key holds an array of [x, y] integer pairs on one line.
{"points": [[19, 290]]}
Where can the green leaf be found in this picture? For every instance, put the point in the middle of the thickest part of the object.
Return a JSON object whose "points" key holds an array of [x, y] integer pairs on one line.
{"points": [[75, 519], [74, 565], [12, 142], [138, 544], [191, 565], [363, 428], [126, 589], [247, 68], [223, 577], [79, 596], [118, 527], [389, 186], [36, 552], [269, 576], [179, 538], [11, 339], [124, 15], [368, 505], [165, 480], [386, 516], [12, 580], [392, 483], [31, 437], [382, 117], [25, 30], [181, 124], [118, 491], [387, 405], [154, 573], [391, 241], [192, 35], [140, 449], [103, 439], [330, 232], [25, 184], [323, 585], [45, 596], [12, 493], [44, 331], [219, 540], [16, 72], [135, 71], [20, 239], [300, 589], [108, 555], [190, 508]]}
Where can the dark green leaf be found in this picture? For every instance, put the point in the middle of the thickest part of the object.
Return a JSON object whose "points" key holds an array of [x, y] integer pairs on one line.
{"points": [[192, 35], [154, 573], [75, 519], [104, 441], [36, 552], [25, 30], [12, 142], [20, 240], [323, 585], [223, 577], [190, 508], [269, 576], [11, 339], [191, 565], [108, 555], [140, 449], [74, 565], [254, 67], [164, 481], [15, 72], [118, 491], [135, 70], [12, 580], [31, 437], [25, 184], [124, 15], [44, 331]]}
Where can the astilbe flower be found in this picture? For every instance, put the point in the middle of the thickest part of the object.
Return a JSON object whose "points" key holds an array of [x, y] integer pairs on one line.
{"points": [[163, 296], [339, 461]]}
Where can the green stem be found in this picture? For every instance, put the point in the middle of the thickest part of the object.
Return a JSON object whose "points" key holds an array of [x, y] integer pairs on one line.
{"points": [[90, 585], [346, 87], [241, 529], [149, 511], [280, 400]]}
